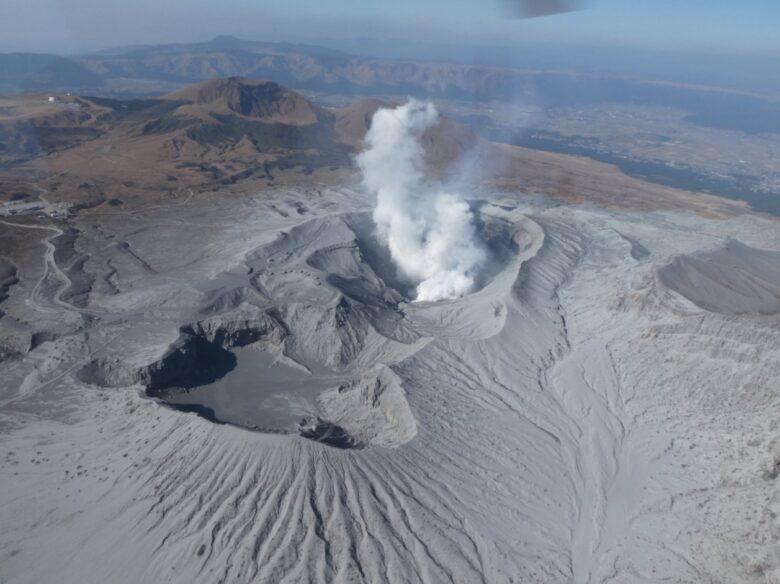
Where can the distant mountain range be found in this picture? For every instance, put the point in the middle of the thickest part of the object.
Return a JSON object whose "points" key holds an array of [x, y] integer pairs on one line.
{"points": [[155, 70]]}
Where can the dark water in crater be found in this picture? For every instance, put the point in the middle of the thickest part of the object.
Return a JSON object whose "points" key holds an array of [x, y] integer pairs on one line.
{"points": [[257, 393]]}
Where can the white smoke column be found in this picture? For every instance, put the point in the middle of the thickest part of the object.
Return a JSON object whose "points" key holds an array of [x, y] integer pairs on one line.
{"points": [[430, 233]]}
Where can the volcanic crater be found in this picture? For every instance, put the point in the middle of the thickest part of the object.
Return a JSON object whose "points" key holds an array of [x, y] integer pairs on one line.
{"points": [[302, 337]]}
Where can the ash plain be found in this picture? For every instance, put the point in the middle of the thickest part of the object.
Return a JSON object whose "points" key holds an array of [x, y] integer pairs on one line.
{"points": [[586, 415]]}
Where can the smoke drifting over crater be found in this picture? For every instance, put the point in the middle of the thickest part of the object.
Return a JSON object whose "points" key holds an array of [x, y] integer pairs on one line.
{"points": [[430, 232]]}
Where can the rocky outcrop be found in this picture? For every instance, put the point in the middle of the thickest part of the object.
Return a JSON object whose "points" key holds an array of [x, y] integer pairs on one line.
{"points": [[372, 409]]}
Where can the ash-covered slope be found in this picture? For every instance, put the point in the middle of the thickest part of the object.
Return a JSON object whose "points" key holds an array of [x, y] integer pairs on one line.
{"points": [[572, 420], [733, 279]]}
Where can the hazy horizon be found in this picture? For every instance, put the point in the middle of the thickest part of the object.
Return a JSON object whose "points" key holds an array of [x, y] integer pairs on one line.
{"points": [[697, 27]]}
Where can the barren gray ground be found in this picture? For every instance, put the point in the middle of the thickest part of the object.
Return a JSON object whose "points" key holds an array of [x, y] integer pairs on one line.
{"points": [[602, 409]]}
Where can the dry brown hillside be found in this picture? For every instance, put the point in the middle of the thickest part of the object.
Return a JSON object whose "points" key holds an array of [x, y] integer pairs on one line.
{"points": [[236, 134], [261, 100]]}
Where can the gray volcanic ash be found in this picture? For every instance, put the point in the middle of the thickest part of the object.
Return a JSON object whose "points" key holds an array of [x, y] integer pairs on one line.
{"points": [[563, 422]]}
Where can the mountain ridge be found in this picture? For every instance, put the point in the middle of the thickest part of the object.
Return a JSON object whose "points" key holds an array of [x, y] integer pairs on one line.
{"points": [[243, 135]]}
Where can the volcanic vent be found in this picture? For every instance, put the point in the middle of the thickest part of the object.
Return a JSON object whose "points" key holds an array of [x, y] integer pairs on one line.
{"points": [[305, 340]]}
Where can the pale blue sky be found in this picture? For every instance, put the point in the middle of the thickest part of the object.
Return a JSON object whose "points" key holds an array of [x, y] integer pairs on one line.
{"points": [[71, 26]]}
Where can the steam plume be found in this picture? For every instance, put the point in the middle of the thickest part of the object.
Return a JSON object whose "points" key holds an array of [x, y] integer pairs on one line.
{"points": [[430, 233]]}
